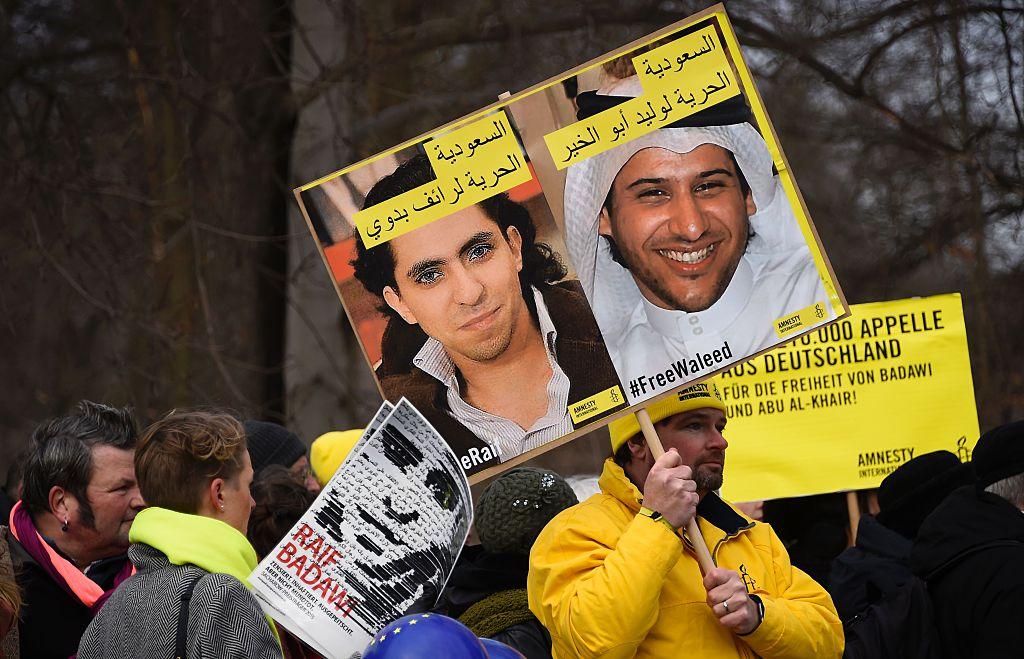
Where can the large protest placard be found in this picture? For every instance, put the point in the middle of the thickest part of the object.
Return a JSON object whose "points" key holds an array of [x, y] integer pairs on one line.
{"points": [[503, 274], [378, 543], [844, 406]]}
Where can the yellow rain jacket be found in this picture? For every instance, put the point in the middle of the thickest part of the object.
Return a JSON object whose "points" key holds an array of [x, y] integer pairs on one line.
{"points": [[609, 583]]}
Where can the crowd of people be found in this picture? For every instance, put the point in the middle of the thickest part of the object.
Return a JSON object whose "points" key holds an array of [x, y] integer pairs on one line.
{"points": [[124, 542]]}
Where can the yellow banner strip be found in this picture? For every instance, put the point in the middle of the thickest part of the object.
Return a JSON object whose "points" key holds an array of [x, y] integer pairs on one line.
{"points": [[597, 404], [806, 317], [472, 163], [679, 78]]}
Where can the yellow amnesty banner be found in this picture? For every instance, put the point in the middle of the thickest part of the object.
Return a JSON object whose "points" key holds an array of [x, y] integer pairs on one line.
{"points": [[842, 407], [472, 163]]}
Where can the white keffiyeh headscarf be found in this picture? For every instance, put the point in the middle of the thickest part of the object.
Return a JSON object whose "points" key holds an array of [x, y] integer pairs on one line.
{"points": [[610, 287]]}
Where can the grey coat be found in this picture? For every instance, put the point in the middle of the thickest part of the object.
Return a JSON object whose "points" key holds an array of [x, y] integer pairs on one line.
{"points": [[140, 620]]}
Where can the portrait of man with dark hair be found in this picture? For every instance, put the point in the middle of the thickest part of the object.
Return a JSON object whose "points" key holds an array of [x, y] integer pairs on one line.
{"points": [[485, 335]]}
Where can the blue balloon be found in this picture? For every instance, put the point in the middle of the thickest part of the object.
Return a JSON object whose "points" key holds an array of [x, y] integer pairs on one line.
{"points": [[425, 635], [498, 650]]}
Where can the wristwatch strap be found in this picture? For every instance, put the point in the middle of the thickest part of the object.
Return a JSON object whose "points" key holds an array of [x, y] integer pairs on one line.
{"points": [[657, 517], [760, 614]]}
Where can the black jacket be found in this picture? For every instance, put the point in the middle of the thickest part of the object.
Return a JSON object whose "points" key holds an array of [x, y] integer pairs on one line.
{"points": [[579, 349], [874, 567], [979, 598], [489, 574], [52, 621]]}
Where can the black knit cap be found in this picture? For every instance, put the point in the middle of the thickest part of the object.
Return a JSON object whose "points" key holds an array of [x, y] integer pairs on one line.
{"points": [[999, 454], [909, 494], [272, 444], [514, 509]]}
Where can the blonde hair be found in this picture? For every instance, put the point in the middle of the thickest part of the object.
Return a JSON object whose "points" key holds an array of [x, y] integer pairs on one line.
{"points": [[180, 454], [10, 593]]}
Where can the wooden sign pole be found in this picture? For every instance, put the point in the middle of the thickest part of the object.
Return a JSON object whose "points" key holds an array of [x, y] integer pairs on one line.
{"points": [[692, 530], [853, 508]]}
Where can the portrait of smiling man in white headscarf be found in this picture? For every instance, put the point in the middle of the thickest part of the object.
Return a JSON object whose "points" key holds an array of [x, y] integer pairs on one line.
{"points": [[686, 245]]}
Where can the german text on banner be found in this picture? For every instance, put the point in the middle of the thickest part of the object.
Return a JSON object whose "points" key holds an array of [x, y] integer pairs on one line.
{"points": [[842, 407]]}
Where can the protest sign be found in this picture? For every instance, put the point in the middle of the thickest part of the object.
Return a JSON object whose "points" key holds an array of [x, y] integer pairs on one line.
{"points": [[491, 279], [842, 407], [378, 543]]}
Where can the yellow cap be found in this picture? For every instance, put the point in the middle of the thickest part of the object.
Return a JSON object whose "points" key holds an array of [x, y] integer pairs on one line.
{"points": [[330, 450], [705, 394]]}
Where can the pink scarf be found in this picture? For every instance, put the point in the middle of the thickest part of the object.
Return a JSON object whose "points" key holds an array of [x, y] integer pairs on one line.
{"points": [[61, 570]]}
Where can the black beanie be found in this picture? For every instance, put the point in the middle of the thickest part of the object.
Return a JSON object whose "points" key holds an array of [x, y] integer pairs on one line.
{"points": [[912, 492], [272, 444], [514, 509], [999, 454]]}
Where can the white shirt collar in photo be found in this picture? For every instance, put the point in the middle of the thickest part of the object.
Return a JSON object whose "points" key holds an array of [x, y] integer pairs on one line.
{"points": [[507, 437], [681, 325]]}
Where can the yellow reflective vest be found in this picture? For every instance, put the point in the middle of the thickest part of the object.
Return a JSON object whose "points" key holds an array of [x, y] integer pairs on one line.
{"points": [[607, 582]]}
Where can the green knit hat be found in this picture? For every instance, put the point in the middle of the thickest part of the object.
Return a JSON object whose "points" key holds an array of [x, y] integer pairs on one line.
{"points": [[514, 509]]}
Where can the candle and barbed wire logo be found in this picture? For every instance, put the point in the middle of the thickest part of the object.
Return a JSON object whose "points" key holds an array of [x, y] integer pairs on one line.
{"points": [[962, 451], [748, 581]]}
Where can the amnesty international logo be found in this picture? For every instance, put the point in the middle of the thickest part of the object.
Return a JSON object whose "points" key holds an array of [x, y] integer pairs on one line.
{"points": [[597, 404], [962, 451], [748, 581]]}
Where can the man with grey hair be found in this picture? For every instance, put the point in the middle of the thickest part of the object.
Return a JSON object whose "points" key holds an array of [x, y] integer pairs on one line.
{"points": [[970, 550], [68, 534]]}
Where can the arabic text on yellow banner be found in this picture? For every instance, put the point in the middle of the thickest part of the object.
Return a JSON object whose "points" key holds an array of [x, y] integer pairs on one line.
{"points": [[693, 73], [472, 163]]}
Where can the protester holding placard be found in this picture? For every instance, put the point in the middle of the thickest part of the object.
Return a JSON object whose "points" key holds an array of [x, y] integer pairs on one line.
{"points": [[611, 577], [190, 594]]}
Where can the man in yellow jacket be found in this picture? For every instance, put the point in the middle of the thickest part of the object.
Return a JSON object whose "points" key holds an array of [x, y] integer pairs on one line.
{"points": [[613, 577]]}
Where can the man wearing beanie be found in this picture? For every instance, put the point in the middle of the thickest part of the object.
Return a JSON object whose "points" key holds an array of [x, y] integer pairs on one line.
{"points": [[613, 577], [273, 444], [488, 595], [880, 561], [970, 551]]}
